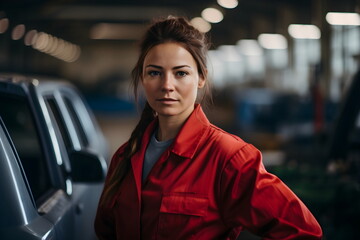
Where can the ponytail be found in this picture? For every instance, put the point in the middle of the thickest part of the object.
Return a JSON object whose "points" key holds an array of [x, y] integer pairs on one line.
{"points": [[115, 179]]}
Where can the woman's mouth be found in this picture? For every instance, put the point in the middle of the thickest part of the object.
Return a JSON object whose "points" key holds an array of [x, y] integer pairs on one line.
{"points": [[166, 100]]}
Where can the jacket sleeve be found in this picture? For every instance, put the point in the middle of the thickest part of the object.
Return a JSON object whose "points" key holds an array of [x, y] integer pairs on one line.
{"points": [[261, 203], [104, 221]]}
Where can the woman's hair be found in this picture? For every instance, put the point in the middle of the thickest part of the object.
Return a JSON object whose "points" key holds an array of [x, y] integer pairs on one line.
{"points": [[172, 29]]}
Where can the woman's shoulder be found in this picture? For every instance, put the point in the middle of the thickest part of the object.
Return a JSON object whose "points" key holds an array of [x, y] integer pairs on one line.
{"points": [[221, 136], [227, 143], [231, 151]]}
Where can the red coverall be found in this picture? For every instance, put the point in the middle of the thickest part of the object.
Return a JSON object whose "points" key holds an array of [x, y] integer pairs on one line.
{"points": [[208, 184]]}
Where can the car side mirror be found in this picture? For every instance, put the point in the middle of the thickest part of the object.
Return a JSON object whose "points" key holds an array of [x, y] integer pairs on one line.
{"points": [[87, 166]]}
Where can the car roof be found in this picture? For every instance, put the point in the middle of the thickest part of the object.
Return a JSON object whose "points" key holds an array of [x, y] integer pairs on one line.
{"points": [[36, 81]]}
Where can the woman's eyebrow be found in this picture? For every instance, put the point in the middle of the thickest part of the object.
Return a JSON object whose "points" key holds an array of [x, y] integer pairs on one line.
{"points": [[159, 67], [153, 66], [181, 66]]}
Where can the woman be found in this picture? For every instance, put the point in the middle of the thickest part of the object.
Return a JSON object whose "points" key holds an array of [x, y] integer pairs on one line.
{"points": [[180, 177]]}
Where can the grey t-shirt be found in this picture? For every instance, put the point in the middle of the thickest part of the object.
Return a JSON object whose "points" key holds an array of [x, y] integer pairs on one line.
{"points": [[153, 152]]}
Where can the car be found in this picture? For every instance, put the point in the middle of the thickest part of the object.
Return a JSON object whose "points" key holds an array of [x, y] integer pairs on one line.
{"points": [[53, 160]]}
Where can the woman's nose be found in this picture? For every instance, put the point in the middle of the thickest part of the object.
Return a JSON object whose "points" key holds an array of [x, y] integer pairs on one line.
{"points": [[167, 82]]}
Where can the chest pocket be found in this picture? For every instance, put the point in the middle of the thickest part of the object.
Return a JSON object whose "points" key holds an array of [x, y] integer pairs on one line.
{"points": [[181, 215]]}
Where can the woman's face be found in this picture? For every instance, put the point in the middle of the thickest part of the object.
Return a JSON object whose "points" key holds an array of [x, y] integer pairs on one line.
{"points": [[171, 80]]}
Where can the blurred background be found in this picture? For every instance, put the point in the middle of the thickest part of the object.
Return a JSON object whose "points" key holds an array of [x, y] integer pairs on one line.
{"points": [[284, 73]]}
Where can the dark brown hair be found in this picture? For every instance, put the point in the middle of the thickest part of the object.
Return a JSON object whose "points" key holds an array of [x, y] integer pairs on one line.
{"points": [[171, 29]]}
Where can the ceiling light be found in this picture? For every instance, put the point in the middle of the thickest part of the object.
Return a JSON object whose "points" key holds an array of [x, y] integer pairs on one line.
{"points": [[30, 37], [302, 31], [56, 47], [228, 3], [4, 24], [228, 53], [342, 18], [250, 47], [272, 41], [200, 24], [212, 15], [18, 32], [41, 42]]}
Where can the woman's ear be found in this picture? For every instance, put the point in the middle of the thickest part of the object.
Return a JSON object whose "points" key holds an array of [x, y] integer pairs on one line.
{"points": [[202, 81]]}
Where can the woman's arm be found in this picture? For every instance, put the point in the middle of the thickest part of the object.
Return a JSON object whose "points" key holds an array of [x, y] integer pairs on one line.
{"points": [[261, 203]]}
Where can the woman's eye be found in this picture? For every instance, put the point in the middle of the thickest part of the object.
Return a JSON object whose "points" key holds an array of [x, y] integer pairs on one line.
{"points": [[154, 73], [182, 73]]}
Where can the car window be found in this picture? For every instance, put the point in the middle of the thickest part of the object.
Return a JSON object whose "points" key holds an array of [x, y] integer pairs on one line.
{"points": [[20, 123], [53, 107], [75, 118]]}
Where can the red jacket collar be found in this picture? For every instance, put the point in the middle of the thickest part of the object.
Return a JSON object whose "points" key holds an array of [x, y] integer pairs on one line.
{"points": [[189, 136], [184, 145], [187, 140]]}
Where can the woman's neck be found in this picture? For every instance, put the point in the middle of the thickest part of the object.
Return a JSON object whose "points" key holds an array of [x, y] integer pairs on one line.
{"points": [[168, 128]]}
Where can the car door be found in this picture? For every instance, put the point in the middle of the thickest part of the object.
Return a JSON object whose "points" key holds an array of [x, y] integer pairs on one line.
{"points": [[49, 213], [91, 139], [90, 134], [71, 131], [18, 216]]}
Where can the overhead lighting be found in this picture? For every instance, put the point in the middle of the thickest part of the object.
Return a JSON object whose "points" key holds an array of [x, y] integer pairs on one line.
{"points": [[272, 41], [228, 3], [212, 15], [56, 47], [30, 37], [228, 53], [304, 31], [4, 24], [117, 31], [343, 18], [200, 24], [250, 47], [18, 32]]}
